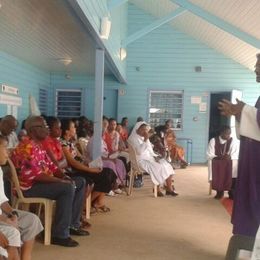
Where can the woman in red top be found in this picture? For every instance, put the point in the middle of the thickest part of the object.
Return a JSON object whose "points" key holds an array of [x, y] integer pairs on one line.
{"points": [[125, 131], [53, 148]]}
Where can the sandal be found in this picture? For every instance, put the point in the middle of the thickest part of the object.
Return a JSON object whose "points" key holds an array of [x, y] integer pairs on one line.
{"points": [[93, 211], [85, 224], [102, 209], [160, 194]]}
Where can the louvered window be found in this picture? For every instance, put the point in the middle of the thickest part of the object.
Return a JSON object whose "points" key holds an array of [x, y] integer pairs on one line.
{"points": [[43, 101], [164, 105], [68, 103]]}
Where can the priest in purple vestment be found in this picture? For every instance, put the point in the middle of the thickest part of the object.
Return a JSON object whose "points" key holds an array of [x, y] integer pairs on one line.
{"points": [[246, 210]]}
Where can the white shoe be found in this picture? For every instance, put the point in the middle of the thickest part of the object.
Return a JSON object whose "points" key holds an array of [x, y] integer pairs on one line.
{"points": [[111, 193], [118, 191]]}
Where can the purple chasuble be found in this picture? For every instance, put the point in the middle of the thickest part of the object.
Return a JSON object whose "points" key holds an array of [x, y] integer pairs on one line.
{"points": [[246, 211], [221, 169]]}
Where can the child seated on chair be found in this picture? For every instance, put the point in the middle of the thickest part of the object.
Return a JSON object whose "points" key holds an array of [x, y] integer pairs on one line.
{"points": [[15, 225]]}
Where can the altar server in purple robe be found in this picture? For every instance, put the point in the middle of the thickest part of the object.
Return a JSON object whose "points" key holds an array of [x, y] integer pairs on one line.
{"points": [[222, 157]]}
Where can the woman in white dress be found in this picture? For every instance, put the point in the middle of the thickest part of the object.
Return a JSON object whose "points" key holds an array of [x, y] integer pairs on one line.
{"points": [[159, 169]]}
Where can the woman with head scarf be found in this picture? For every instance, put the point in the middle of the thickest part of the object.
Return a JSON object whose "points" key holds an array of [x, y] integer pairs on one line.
{"points": [[159, 169]]}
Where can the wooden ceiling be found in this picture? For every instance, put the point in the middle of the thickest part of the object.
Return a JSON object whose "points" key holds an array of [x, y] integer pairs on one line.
{"points": [[45, 34], [240, 14]]}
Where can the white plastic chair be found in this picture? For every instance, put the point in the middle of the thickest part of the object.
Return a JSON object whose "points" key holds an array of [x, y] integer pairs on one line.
{"points": [[135, 170], [20, 199], [210, 187], [88, 206]]}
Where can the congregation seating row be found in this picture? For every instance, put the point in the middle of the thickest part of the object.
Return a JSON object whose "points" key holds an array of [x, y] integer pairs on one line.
{"points": [[19, 199], [46, 156]]}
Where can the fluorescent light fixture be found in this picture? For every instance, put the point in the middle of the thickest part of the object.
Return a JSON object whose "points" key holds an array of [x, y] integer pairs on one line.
{"points": [[105, 27], [65, 61], [122, 53], [154, 110]]}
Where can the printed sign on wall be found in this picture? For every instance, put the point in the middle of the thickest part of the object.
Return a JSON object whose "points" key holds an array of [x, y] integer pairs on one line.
{"points": [[10, 90], [10, 100]]}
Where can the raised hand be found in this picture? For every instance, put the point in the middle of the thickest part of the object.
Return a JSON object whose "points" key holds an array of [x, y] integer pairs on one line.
{"points": [[95, 170], [228, 109]]}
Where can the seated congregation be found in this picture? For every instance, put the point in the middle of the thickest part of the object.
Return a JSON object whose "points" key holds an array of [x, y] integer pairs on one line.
{"points": [[53, 160]]}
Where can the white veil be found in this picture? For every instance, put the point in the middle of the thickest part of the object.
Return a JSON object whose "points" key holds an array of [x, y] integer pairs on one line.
{"points": [[133, 136]]}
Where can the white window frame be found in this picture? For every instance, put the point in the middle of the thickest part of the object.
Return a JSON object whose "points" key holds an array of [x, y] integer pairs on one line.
{"points": [[70, 104], [170, 106]]}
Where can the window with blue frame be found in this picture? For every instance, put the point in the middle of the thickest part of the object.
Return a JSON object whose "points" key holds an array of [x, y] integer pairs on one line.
{"points": [[164, 105], [68, 103]]}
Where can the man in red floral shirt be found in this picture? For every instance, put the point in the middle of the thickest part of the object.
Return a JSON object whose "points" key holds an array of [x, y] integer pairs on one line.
{"points": [[39, 177]]}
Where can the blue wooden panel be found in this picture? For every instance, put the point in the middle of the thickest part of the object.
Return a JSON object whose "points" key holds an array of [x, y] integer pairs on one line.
{"points": [[231, 29], [110, 103], [94, 11], [86, 83], [165, 59], [26, 78]]}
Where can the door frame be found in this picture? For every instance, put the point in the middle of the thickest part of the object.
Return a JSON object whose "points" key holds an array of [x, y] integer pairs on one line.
{"points": [[208, 117]]}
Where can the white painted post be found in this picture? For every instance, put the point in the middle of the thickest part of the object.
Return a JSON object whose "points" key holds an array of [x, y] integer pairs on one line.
{"points": [[98, 110]]}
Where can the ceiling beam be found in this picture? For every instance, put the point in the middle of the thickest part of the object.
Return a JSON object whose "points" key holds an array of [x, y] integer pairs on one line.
{"points": [[83, 21], [225, 26], [152, 26], [115, 3]]}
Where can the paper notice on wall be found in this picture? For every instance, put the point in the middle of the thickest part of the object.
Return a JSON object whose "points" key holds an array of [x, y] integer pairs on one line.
{"points": [[203, 107], [10, 90], [195, 100], [10, 100]]}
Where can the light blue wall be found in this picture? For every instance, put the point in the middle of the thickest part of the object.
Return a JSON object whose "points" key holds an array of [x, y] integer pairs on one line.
{"points": [[86, 84], [95, 10], [28, 79], [165, 59]]}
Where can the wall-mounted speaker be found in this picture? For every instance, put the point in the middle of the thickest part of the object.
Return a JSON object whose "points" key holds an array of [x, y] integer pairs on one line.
{"points": [[198, 68], [105, 27]]}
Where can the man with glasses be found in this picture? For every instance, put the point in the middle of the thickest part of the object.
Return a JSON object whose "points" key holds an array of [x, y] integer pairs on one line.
{"points": [[40, 177]]}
